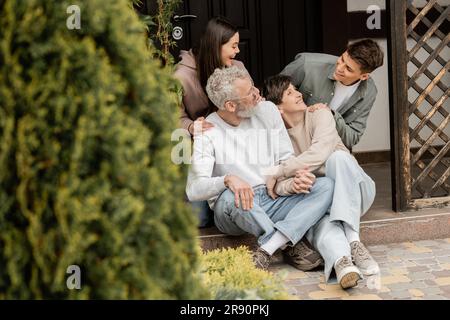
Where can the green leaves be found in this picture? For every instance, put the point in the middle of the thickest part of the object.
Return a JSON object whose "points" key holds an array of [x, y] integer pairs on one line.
{"points": [[230, 274], [85, 171]]}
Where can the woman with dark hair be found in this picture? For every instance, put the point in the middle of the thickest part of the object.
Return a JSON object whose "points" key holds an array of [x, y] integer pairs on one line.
{"points": [[217, 48]]}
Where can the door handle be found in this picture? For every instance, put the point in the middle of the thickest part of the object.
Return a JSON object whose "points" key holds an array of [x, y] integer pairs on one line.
{"points": [[177, 18]]}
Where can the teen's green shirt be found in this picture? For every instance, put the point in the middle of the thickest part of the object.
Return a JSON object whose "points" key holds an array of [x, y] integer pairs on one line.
{"points": [[313, 73]]}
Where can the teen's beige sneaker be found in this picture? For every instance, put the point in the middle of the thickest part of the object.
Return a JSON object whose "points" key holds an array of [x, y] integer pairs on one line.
{"points": [[363, 260], [302, 256], [347, 273]]}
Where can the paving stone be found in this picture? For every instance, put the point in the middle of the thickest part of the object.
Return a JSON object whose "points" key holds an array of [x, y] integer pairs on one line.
{"points": [[435, 247], [385, 296], [434, 297], [395, 259], [296, 275], [314, 275], [440, 274], [412, 271], [385, 270], [419, 250], [398, 271], [328, 294], [381, 248], [443, 259], [445, 266], [378, 255], [397, 252], [430, 283], [421, 276], [441, 253], [410, 263], [416, 293], [417, 269], [307, 281], [442, 241], [427, 262], [292, 291], [365, 290], [418, 284], [295, 282], [418, 256], [394, 279], [445, 288], [307, 288], [444, 281], [432, 290], [400, 294], [405, 286], [426, 243], [363, 297], [436, 267], [390, 265]]}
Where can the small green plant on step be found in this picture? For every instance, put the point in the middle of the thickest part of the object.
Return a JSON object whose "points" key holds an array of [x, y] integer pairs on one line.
{"points": [[230, 274]]}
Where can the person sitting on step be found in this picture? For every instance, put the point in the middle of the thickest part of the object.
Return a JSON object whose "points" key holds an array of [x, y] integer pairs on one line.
{"points": [[319, 148], [228, 165]]}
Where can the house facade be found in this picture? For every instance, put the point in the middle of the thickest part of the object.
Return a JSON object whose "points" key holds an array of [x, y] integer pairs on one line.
{"points": [[409, 124]]}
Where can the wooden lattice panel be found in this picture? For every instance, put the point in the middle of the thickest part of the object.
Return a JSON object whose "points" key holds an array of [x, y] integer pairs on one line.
{"points": [[428, 92]]}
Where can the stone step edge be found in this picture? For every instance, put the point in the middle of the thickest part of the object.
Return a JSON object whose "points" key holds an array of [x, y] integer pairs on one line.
{"points": [[383, 231]]}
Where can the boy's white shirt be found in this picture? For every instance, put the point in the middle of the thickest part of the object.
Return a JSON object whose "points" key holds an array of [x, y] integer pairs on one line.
{"points": [[342, 94]]}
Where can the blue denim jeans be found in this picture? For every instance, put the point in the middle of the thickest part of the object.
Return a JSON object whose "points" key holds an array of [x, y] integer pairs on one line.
{"points": [[204, 213], [354, 190], [354, 193], [292, 216]]}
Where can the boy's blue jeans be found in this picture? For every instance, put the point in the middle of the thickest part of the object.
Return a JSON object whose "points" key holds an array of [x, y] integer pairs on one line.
{"points": [[292, 215]]}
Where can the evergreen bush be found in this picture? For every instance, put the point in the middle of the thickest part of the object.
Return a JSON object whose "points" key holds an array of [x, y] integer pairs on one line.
{"points": [[86, 176], [230, 274]]}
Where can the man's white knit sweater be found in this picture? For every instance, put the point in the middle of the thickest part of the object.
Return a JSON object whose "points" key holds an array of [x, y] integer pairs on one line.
{"points": [[244, 151]]}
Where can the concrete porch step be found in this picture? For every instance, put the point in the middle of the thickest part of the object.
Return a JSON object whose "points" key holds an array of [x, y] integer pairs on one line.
{"points": [[380, 225], [377, 228]]}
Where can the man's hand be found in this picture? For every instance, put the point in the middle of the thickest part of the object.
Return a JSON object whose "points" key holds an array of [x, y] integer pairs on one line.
{"points": [[243, 192], [199, 126], [318, 106], [303, 181], [270, 184]]}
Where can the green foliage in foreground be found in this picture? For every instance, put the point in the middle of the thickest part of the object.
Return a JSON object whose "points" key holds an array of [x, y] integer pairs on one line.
{"points": [[231, 274]]}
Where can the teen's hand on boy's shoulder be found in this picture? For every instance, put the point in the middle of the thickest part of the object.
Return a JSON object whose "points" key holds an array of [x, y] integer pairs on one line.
{"points": [[199, 126], [243, 192], [318, 106]]}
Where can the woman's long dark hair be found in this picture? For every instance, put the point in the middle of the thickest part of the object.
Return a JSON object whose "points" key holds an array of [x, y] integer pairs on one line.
{"points": [[208, 53]]}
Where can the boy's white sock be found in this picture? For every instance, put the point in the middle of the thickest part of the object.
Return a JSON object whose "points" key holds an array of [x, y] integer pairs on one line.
{"points": [[277, 241], [351, 234]]}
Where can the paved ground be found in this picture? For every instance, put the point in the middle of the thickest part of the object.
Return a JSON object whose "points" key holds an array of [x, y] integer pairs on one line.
{"points": [[413, 270]]}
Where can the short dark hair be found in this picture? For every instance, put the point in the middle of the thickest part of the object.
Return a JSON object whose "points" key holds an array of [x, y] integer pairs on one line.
{"points": [[275, 86], [367, 53]]}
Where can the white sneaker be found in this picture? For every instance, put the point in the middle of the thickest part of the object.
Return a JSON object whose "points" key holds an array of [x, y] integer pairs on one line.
{"points": [[347, 273], [363, 260]]}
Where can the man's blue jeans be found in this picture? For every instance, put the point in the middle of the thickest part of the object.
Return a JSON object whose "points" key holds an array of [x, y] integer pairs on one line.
{"points": [[292, 216], [204, 213]]}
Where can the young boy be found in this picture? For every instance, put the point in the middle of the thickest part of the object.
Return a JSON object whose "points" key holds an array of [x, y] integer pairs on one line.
{"points": [[319, 148], [343, 83]]}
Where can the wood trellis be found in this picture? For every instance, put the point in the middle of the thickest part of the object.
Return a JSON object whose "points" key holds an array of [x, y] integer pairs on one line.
{"points": [[420, 114]]}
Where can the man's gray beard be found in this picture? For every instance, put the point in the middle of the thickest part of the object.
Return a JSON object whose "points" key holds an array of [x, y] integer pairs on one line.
{"points": [[246, 113]]}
